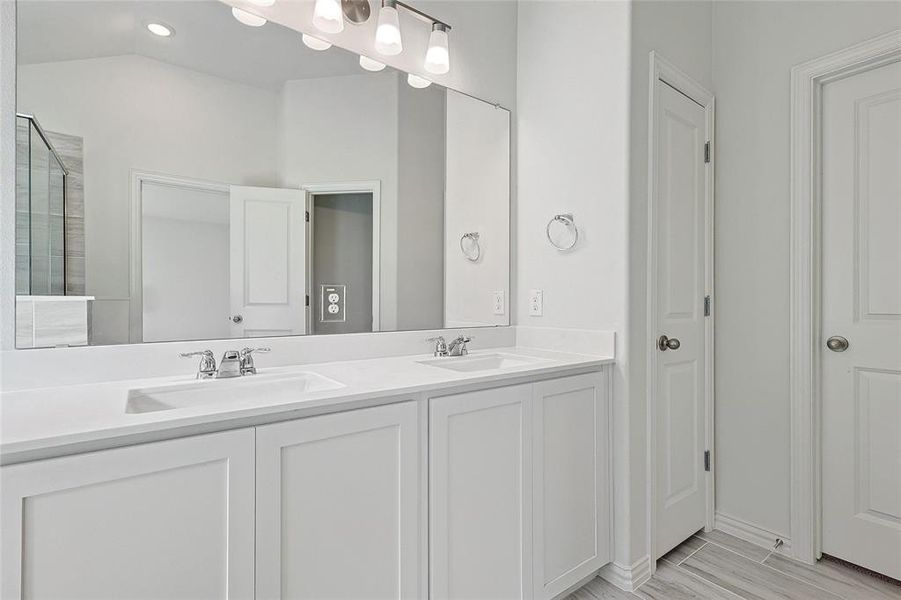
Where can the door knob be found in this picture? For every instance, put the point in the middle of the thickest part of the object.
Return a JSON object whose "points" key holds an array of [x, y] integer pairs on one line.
{"points": [[236, 319], [837, 343], [664, 343]]}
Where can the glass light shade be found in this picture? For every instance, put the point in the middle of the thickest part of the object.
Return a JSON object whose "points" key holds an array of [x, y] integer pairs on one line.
{"points": [[437, 57], [328, 16], [370, 64], [387, 37], [417, 81], [248, 18], [262, 2], [315, 43]]}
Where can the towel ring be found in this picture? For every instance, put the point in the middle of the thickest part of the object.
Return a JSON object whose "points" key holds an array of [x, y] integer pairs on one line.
{"points": [[569, 223], [475, 250]]}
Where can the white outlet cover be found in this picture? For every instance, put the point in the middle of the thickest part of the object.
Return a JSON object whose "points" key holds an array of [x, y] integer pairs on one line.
{"points": [[497, 299], [536, 303]]}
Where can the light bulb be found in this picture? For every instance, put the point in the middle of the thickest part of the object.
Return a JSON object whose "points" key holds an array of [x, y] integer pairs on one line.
{"points": [[315, 43], [437, 57], [328, 16], [262, 2], [370, 64], [387, 37], [417, 81], [248, 18]]}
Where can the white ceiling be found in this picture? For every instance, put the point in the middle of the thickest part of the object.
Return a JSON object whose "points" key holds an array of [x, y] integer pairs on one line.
{"points": [[207, 39]]}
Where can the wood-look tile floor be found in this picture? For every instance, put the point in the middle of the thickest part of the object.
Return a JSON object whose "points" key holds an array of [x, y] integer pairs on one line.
{"points": [[718, 566]]}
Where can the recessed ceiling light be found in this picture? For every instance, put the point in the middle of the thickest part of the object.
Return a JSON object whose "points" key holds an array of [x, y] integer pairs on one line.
{"points": [[160, 29], [315, 43], [248, 18]]}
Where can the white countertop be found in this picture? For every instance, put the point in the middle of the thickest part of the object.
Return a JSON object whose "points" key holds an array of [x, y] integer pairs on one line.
{"points": [[53, 421]]}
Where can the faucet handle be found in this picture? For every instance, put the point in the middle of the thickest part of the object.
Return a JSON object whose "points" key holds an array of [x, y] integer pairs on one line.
{"points": [[247, 366], [440, 345], [207, 366]]}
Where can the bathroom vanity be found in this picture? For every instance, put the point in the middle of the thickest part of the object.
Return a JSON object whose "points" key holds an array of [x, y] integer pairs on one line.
{"points": [[401, 477]]}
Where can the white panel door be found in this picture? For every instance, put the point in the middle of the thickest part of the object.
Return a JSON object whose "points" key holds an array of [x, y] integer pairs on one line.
{"points": [[169, 519], [679, 369], [570, 499], [340, 506], [268, 261], [861, 387], [480, 495]]}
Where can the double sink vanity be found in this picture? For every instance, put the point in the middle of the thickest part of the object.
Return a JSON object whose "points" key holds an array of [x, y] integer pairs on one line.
{"points": [[483, 475]]}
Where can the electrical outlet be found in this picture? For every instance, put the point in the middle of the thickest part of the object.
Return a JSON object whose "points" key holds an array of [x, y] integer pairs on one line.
{"points": [[536, 303], [498, 302]]}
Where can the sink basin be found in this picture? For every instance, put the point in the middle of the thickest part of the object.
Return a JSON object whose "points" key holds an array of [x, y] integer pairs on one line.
{"points": [[480, 362], [272, 388]]}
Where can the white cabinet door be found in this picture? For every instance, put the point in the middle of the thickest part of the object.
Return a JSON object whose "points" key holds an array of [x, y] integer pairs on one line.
{"points": [[340, 503], [168, 520], [570, 466], [480, 494]]}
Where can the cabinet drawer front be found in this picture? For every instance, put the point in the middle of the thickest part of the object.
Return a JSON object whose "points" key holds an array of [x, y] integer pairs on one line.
{"points": [[169, 519], [338, 505]]}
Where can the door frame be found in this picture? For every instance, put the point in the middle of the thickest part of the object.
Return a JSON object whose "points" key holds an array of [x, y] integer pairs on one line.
{"points": [[807, 82], [135, 251], [666, 72], [372, 187]]}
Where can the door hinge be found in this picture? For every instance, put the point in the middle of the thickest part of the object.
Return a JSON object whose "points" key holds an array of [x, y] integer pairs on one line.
{"points": [[706, 306], [306, 215], [706, 460], [307, 300], [706, 152]]}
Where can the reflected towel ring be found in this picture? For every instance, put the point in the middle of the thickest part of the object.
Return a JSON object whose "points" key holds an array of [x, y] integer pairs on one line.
{"points": [[475, 250], [569, 223]]}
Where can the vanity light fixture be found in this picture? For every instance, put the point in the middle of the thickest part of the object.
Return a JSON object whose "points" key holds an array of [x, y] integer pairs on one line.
{"points": [[418, 82], [315, 43], [370, 64], [328, 16], [160, 29], [248, 18], [437, 57], [388, 40]]}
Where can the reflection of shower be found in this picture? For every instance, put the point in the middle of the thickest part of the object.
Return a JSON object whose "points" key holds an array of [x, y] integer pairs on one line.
{"points": [[40, 212]]}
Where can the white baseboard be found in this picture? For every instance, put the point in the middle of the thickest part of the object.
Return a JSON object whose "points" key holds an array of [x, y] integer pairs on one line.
{"points": [[759, 536], [627, 578]]}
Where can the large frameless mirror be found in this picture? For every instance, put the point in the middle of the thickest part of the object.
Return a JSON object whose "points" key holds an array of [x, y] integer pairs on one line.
{"points": [[181, 175]]}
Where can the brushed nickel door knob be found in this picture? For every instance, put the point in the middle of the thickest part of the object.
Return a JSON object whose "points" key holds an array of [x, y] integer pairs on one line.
{"points": [[664, 343], [837, 343], [237, 319]]}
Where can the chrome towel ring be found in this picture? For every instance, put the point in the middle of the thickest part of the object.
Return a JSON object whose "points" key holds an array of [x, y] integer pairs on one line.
{"points": [[570, 224], [473, 252]]}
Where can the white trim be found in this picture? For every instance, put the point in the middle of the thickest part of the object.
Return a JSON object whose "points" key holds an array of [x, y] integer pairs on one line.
{"points": [[807, 81], [749, 532], [627, 578], [661, 69], [373, 187], [135, 271]]}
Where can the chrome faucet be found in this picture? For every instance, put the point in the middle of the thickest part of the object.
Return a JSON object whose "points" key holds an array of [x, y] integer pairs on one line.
{"points": [[234, 363], [440, 345], [458, 346]]}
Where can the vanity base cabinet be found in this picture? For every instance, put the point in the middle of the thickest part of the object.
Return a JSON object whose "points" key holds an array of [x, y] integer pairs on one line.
{"points": [[170, 519], [340, 505], [570, 474], [480, 494]]}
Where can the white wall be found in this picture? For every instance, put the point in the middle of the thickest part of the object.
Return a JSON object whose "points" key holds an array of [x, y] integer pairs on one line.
{"points": [[211, 129], [681, 33], [572, 153], [342, 129], [7, 175], [756, 44], [477, 188]]}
